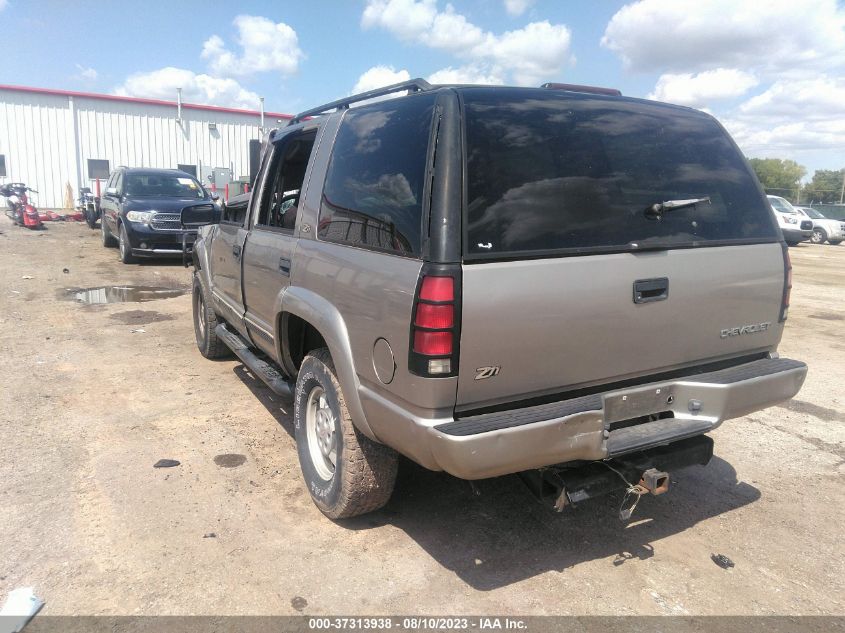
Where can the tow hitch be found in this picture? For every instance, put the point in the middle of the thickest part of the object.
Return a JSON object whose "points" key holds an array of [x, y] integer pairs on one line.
{"points": [[641, 473]]}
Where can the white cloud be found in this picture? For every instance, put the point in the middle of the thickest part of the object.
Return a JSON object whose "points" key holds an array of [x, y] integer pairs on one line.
{"points": [[535, 53], [84, 74], [378, 77], [3, 4], [196, 88], [265, 46], [470, 74], [690, 35], [699, 89], [517, 7], [791, 116]]}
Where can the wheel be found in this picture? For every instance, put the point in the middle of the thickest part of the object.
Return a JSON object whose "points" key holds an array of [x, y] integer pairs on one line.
{"points": [[91, 219], [834, 242], [125, 247], [346, 473], [108, 238], [819, 236], [205, 321]]}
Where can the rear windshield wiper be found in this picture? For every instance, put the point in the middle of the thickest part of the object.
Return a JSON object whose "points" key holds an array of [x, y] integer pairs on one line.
{"points": [[656, 211]]}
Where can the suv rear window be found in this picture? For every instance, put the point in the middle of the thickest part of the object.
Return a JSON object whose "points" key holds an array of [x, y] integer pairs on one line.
{"points": [[373, 196], [557, 173]]}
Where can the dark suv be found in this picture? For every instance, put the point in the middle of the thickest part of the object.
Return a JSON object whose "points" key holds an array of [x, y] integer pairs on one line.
{"points": [[142, 211]]}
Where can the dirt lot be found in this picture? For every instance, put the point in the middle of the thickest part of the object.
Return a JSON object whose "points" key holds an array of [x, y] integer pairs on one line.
{"points": [[93, 396]]}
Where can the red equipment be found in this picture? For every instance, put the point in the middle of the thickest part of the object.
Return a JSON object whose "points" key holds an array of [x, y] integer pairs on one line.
{"points": [[19, 207]]}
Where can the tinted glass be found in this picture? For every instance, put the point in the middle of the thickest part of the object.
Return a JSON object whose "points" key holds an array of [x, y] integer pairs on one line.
{"points": [[552, 171], [163, 185], [373, 195], [779, 204]]}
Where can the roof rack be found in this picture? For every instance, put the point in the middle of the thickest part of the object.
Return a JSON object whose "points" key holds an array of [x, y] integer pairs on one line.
{"points": [[412, 85], [611, 92]]}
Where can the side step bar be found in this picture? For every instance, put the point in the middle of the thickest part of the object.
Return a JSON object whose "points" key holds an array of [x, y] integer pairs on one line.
{"points": [[260, 368]]}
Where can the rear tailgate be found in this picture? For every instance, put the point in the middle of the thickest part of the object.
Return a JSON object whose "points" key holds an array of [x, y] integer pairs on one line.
{"points": [[556, 324], [572, 200]]}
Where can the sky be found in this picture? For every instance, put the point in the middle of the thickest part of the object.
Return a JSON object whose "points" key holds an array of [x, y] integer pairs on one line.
{"points": [[773, 73]]}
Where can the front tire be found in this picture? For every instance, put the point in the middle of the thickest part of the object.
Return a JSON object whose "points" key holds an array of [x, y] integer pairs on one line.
{"points": [[125, 246], [108, 238], [346, 473], [205, 323], [819, 236]]}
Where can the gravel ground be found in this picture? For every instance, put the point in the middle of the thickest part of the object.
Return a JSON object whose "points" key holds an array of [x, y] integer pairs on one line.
{"points": [[94, 395]]}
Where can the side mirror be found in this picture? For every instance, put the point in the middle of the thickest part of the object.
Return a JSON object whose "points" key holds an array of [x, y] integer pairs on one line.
{"points": [[111, 191], [215, 196]]}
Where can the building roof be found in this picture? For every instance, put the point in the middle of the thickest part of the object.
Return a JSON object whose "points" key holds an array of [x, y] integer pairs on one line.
{"points": [[173, 104]]}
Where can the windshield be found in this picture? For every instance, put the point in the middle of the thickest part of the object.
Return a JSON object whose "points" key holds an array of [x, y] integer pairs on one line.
{"points": [[162, 185], [551, 171], [814, 214], [782, 205]]}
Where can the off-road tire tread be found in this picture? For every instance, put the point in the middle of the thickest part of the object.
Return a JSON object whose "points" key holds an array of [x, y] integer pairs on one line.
{"points": [[215, 348], [369, 469]]}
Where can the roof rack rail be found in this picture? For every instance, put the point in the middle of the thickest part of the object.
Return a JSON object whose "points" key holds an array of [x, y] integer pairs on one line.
{"points": [[412, 85], [611, 92]]}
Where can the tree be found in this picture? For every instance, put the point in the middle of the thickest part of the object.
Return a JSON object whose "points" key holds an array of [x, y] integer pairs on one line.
{"points": [[826, 186], [783, 175]]}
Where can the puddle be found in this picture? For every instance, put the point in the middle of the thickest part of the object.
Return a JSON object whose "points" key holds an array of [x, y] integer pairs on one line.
{"points": [[123, 294], [229, 460]]}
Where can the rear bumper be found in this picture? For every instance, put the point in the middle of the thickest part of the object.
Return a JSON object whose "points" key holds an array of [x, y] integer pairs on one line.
{"points": [[494, 444]]}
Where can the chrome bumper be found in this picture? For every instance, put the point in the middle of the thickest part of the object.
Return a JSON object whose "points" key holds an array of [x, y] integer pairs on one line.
{"points": [[499, 443]]}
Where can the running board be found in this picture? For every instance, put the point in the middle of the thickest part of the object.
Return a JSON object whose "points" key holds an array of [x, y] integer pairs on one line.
{"points": [[260, 368]]}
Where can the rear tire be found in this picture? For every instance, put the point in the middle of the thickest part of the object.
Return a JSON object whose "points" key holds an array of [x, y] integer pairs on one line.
{"points": [[346, 473], [834, 242], [205, 322], [108, 238], [819, 236], [91, 219], [125, 246]]}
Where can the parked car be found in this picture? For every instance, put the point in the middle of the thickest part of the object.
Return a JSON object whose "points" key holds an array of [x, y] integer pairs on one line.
{"points": [[574, 286], [141, 211], [824, 229], [795, 227]]}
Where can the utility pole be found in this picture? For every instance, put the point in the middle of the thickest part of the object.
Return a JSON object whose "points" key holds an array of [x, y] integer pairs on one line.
{"points": [[842, 192]]}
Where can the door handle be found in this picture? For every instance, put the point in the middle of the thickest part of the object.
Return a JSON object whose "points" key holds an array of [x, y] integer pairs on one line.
{"points": [[236, 250], [284, 266], [648, 290]]}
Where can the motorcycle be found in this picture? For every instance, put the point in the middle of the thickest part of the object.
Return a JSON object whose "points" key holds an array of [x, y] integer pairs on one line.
{"points": [[89, 205], [19, 208]]}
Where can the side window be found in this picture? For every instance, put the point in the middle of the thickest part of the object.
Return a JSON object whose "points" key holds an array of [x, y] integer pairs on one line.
{"points": [[283, 184], [118, 183], [110, 181], [234, 213], [373, 195]]}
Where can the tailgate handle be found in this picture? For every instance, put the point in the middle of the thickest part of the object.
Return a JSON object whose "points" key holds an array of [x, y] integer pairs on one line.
{"points": [[648, 290]]}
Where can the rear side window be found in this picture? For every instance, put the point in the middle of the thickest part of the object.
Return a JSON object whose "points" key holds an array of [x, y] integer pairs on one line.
{"points": [[551, 172], [373, 196]]}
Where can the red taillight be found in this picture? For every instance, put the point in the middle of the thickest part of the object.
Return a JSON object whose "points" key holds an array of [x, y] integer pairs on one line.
{"points": [[433, 343], [437, 289], [436, 318]]}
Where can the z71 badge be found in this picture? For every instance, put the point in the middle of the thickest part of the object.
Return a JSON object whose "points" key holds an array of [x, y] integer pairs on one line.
{"points": [[487, 372], [745, 329]]}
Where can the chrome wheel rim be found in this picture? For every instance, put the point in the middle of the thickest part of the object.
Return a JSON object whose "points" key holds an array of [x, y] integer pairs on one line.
{"points": [[817, 237], [201, 316], [320, 431]]}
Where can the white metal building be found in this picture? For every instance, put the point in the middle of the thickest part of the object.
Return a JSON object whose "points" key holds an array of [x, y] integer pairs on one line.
{"points": [[49, 138]]}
